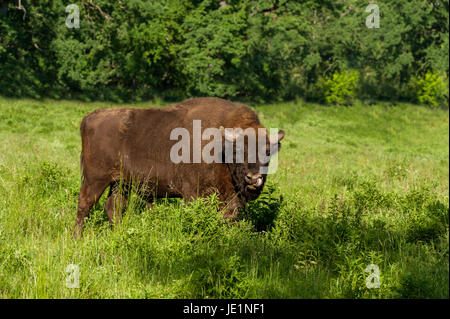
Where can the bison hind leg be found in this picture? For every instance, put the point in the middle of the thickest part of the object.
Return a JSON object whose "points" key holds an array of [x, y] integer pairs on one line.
{"points": [[149, 200], [116, 202], [89, 195], [149, 205]]}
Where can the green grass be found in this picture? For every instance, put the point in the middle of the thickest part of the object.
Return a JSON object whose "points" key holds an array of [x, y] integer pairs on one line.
{"points": [[355, 186]]}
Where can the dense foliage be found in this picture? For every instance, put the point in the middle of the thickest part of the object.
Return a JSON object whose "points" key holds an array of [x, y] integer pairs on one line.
{"points": [[257, 50]]}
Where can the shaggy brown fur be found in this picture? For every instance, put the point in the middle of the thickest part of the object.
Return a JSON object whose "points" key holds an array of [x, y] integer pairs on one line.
{"points": [[125, 145]]}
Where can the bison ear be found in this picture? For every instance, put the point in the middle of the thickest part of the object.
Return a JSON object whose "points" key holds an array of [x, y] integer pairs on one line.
{"points": [[280, 135], [275, 143], [276, 139]]}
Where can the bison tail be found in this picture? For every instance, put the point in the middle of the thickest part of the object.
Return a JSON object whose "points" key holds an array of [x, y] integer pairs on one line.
{"points": [[83, 177], [83, 134]]}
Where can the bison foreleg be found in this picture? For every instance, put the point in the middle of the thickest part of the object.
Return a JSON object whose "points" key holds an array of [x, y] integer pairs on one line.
{"points": [[231, 207]]}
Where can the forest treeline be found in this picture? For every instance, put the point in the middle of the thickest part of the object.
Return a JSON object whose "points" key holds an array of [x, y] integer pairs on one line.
{"points": [[256, 50]]}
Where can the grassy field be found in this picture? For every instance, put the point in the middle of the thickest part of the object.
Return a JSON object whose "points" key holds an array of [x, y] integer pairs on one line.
{"points": [[355, 186]]}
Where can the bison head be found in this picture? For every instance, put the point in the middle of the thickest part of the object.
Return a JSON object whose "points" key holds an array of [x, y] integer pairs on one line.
{"points": [[247, 153]]}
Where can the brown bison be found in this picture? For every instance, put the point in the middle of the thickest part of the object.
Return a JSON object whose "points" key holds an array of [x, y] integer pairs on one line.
{"points": [[122, 146]]}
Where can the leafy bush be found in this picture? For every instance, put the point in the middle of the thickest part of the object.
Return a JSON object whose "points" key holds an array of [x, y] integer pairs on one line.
{"points": [[430, 89], [341, 87], [264, 210], [264, 50], [221, 278]]}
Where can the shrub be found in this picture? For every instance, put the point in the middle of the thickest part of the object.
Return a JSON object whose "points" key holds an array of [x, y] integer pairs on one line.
{"points": [[262, 50], [264, 210], [430, 88], [221, 278], [341, 87]]}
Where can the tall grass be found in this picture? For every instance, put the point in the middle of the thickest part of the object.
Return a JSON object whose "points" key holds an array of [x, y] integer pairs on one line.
{"points": [[355, 186]]}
